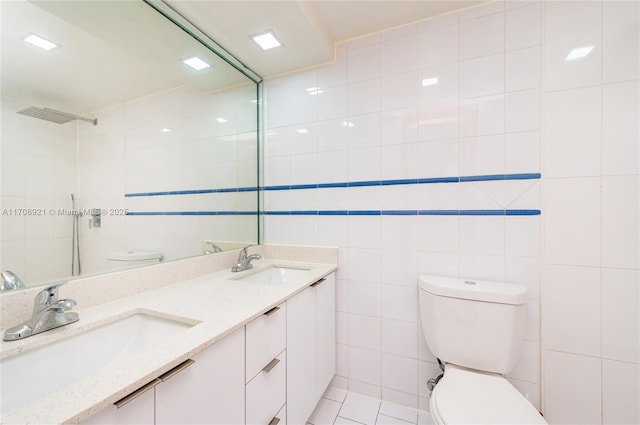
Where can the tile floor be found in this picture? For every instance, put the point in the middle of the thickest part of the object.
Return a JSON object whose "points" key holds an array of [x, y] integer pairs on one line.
{"points": [[341, 407]]}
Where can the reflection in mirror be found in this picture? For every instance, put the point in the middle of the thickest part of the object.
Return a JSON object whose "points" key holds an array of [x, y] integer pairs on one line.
{"points": [[167, 170]]}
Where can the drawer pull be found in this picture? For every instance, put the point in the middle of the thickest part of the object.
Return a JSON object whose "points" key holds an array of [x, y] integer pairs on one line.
{"points": [[273, 310], [170, 374], [317, 282], [271, 365], [137, 393], [274, 421]]}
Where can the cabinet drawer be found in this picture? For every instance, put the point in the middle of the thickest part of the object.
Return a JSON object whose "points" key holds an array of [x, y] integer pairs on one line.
{"points": [[266, 393], [266, 337]]}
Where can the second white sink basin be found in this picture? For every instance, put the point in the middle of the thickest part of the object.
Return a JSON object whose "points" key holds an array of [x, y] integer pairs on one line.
{"points": [[275, 275], [33, 374]]}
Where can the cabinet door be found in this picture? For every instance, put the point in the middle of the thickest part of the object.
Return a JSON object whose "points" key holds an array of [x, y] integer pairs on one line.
{"points": [[210, 391], [301, 356], [326, 333], [138, 412]]}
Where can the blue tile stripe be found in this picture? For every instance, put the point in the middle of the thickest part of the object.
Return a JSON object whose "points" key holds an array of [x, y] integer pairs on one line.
{"points": [[192, 192], [521, 212], [429, 180], [341, 212], [364, 183]]}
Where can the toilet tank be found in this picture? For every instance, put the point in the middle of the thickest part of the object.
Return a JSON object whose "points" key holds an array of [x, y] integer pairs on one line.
{"points": [[477, 324]]}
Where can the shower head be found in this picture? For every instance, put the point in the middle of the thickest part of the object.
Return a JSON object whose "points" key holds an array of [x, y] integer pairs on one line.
{"points": [[53, 115]]}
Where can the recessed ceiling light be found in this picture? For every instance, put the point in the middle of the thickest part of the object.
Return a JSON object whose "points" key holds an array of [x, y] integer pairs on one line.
{"points": [[40, 42], [314, 91], [429, 81], [266, 40], [578, 53], [196, 63]]}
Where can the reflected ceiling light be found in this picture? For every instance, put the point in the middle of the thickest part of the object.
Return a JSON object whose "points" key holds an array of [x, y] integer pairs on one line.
{"points": [[40, 42], [266, 40], [196, 63], [314, 91], [165, 130], [429, 81], [221, 120], [578, 53], [348, 124], [302, 130]]}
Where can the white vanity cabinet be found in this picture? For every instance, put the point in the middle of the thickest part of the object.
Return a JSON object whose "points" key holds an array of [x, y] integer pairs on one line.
{"points": [[211, 391], [310, 348], [207, 389], [266, 367], [139, 411]]}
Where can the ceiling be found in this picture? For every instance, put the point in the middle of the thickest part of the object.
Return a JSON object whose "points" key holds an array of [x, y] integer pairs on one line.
{"points": [[308, 29], [113, 51]]}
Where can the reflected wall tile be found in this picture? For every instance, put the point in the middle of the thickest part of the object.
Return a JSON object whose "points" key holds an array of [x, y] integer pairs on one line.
{"points": [[522, 111], [438, 46], [364, 97], [438, 103], [364, 63], [482, 155], [522, 69], [482, 116], [398, 91], [399, 161], [482, 76], [399, 54], [522, 152], [523, 26], [438, 158], [569, 26], [482, 36]]}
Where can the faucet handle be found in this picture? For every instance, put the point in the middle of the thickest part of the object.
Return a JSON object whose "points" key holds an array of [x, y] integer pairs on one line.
{"points": [[47, 296]]}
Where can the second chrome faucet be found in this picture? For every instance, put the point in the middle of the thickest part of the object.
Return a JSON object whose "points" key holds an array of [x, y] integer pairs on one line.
{"points": [[244, 260]]}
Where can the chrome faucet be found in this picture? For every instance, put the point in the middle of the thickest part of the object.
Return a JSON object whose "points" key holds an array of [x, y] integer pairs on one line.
{"points": [[48, 313], [10, 281], [244, 260], [214, 248]]}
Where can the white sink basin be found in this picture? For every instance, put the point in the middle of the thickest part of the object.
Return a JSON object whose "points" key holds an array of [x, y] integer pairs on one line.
{"points": [[33, 374], [275, 275]]}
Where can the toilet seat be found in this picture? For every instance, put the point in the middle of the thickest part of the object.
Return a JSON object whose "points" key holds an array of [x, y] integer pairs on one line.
{"points": [[465, 396]]}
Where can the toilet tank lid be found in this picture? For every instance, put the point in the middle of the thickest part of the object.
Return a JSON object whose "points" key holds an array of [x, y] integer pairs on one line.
{"points": [[474, 289], [134, 255]]}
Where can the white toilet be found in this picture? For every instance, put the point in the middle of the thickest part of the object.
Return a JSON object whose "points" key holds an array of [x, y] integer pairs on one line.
{"points": [[475, 328], [128, 259]]}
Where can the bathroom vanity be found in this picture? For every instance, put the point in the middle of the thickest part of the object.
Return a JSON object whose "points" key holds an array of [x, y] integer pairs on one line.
{"points": [[228, 348]]}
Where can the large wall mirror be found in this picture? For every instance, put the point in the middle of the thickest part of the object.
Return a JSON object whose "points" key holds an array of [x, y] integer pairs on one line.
{"points": [[118, 147]]}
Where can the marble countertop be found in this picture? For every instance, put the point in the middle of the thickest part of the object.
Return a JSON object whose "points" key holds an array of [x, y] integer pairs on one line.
{"points": [[217, 302]]}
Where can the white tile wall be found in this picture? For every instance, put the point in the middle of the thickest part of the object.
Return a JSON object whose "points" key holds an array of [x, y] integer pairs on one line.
{"points": [[506, 101]]}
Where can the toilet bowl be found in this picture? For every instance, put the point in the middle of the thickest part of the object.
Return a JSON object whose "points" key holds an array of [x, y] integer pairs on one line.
{"points": [[475, 328], [464, 396]]}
